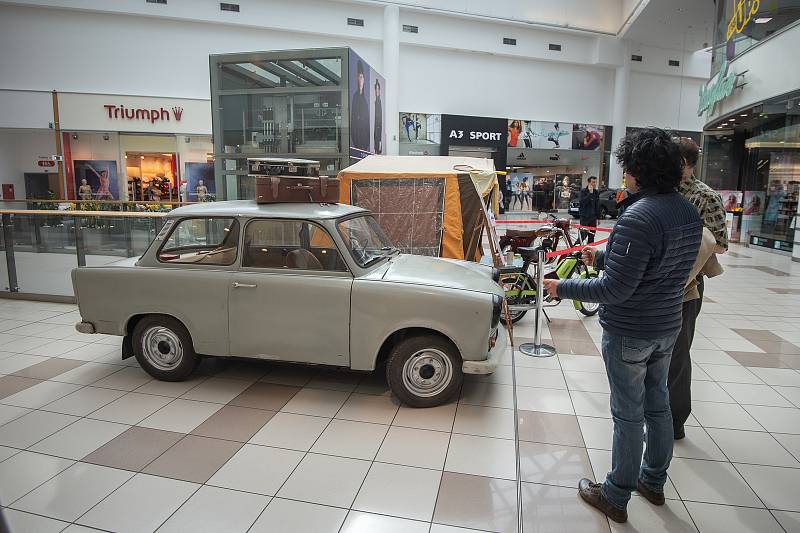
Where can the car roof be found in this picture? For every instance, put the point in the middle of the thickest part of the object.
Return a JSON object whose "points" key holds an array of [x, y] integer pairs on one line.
{"points": [[277, 210]]}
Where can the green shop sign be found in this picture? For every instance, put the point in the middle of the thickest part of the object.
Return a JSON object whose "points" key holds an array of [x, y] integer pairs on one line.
{"points": [[717, 90]]}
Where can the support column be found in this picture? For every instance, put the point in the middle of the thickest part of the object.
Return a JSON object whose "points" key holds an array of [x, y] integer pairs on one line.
{"points": [[391, 69], [622, 78], [796, 246]]}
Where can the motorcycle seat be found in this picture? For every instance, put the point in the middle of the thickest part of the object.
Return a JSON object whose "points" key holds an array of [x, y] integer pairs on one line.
{"points": [[528, 251]]}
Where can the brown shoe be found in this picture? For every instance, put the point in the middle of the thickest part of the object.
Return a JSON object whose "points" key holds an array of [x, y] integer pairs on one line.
{"points": [[656, 498], [591, 494]]}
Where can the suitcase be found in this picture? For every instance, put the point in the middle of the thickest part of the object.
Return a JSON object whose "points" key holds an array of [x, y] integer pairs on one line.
{"points": [[273, 166], [274, 189]]}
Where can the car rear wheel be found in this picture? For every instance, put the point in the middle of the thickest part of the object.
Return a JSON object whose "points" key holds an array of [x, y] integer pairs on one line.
{"points": [[164, 349], [424, 371]]}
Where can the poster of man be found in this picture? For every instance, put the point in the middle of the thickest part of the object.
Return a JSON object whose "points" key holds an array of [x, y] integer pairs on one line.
{"points": [[200, 186], [367, 94], [96, 180]]}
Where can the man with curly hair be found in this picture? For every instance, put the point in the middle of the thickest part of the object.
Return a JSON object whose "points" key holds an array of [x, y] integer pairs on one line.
{"points": [[648, 258]]}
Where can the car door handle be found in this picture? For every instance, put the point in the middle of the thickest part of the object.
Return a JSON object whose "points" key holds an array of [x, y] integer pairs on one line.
{"points": [[237, 285]]}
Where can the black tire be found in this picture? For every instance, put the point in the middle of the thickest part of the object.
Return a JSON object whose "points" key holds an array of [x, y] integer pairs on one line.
{"points": [[164, 335], [586, 309], [419, 355]]}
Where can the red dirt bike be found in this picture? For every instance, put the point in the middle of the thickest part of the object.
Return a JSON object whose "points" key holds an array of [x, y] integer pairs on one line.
{"points": [[548, 235]]}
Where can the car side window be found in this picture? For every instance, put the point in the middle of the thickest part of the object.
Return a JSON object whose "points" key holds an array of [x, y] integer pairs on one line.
{"points": [[290, 244], [203, 241]]}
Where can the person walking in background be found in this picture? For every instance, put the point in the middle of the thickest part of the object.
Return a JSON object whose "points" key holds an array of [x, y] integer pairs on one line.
{"points": [[647, 262], [589, 209], [377, 130], [709, 204]]}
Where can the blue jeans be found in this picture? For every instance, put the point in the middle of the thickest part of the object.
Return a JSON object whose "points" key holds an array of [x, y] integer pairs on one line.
{"points": [[637, 374]]}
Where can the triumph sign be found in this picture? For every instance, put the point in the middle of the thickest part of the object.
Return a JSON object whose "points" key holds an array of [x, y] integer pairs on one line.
{"points": [[150, 115], [717, 90]]}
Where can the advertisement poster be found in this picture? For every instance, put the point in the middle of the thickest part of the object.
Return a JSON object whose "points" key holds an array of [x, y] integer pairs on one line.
{"points": [[96, 180], [521, 186], [200, 185], [753, 202], [587, 136], [543, 135], [731, 200], [367, 93]]}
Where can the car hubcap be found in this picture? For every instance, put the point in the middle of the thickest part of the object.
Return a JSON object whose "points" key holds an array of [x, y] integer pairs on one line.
{"points": [[427, 373], [590, 307], [162, 348]]}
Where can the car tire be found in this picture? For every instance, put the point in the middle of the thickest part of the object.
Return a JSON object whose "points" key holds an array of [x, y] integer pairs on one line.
{"points": [[163, 348], [515, 317], [424, 370]]}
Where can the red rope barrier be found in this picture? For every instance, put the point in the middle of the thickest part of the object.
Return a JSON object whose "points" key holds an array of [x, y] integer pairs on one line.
{"points": [[559, 253]]}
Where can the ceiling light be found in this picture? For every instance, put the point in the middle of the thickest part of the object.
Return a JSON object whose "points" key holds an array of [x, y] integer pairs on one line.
{"points": [[763, 20], [743, 115], [141, 157]]}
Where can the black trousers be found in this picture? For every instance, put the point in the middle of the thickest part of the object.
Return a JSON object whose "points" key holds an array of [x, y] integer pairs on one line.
{"points": [[680, 366], [588, 235]]}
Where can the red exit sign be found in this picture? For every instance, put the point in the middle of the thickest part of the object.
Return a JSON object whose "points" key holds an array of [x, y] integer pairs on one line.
{"points": [[46, 163]]}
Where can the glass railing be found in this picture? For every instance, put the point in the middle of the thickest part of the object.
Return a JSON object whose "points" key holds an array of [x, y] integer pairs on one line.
{"points": [[41, 247], [93, 205]]}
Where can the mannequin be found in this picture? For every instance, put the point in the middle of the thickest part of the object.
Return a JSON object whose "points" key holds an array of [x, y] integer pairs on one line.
{"points": [[85, 191], [201, 191]]}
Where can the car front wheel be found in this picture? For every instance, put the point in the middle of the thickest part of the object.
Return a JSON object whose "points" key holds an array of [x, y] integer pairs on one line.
{"points": [[163, 348], [424, 371]]}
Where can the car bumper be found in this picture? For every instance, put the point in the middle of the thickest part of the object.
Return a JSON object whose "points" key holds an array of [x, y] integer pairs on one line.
{"points": [[488, 365]]}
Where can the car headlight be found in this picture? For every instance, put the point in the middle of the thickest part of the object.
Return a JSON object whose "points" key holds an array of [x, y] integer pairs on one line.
{"points": [[496, 275], [497, 302]]}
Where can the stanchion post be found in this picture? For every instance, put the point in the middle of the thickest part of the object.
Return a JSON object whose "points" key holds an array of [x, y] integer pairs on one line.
{"points": [[11, 263], [537, 349]]}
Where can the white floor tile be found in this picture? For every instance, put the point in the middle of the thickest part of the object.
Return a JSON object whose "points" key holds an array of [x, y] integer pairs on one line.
{"points": [[724, 415], [73, 492], [544, 400], [131, 408], [287, 430], [709, 391], [126, 379], [257, 469], [414, 447], [481, 456], [20, 522], [777, 487], [212, 509], [217, 390], [725, 519], [40, 394], [697, 445], [345, 438], [591, 404], [11, 412], [287, 516], [487, 394], [752, 447], [400, 491], [79, 439], [367, 408], [358, 522], [643, 517], [730, 374], [181, 416], [582, 363], [326, 480], [777, 419], [711, 482], [438, 418], [597, 432], [755, 394], [156, 499], [15, 362], [32, 427], [587, 381], [789, 520], [83, 401], [785, 377], [484, 421], [790, 393], [25, 471]]}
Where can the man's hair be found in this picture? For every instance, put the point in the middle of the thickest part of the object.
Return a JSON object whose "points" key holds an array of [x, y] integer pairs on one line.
{"points": [[652, 157], [592, 178], [689, 150]]}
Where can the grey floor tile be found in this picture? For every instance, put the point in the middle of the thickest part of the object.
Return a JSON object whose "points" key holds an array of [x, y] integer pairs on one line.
{"points": [[551, 428], [234, 423], [49, 369], [134, 449], [193, 459], [41, 394], [267, 396], [11, 385]]}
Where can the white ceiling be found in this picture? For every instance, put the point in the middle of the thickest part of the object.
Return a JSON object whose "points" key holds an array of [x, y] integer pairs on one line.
{"points": [[685, 25]]}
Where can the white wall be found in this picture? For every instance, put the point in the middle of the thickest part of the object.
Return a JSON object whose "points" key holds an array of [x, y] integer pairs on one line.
{"points": [[446, 81], [664, 101]]}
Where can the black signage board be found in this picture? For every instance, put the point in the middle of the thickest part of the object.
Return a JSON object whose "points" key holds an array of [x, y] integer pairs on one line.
{"points": [[462, 130]]}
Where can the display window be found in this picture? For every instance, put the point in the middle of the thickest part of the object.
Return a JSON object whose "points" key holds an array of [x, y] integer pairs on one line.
{"points": [[151, 177]]}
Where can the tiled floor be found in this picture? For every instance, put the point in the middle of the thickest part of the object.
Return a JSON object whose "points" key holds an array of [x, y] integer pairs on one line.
{"points": [[89, 442]]}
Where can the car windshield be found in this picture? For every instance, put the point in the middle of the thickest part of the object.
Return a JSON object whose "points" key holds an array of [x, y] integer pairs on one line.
{"points": [[365, 240]]}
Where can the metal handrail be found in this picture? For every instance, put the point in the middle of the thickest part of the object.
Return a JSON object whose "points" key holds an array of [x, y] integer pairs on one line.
{"points": [[72, 213]]}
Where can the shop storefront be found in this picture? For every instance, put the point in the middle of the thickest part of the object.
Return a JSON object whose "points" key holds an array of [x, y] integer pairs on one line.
{"points": [[111, 148], [323, 104], [751, 148]]}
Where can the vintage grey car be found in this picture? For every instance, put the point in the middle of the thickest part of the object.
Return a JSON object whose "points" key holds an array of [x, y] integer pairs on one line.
{"points": [[309, 283]]}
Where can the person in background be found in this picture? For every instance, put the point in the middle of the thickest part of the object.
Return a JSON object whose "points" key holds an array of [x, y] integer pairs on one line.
{"points": [[709, 204], [647, 262], [377, 130], [359, 113], [589, 209], [525, 193]]}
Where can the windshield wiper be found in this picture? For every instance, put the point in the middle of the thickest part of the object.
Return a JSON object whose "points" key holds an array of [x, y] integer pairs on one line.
{"points": [[391, 249]]}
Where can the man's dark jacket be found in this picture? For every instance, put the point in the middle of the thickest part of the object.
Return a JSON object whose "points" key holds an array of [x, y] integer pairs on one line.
{"points": [[589, 207], [647, 260], [359, 122]]}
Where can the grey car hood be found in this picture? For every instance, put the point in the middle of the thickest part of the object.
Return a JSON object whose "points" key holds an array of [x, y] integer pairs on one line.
{"points": [[436, 272]]}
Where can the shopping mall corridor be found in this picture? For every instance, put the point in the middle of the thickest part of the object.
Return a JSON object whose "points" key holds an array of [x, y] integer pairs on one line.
{"points": [[87, 439]]}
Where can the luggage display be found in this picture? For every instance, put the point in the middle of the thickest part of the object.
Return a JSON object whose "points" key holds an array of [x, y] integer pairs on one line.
{"points": [[274, 189], [273, 166]]}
